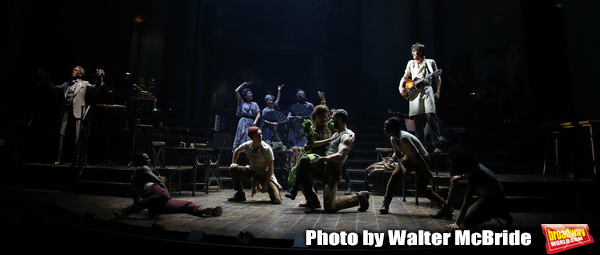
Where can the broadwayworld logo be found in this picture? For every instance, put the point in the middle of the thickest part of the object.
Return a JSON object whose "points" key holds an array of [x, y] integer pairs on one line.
{"points": [[562, 237]]}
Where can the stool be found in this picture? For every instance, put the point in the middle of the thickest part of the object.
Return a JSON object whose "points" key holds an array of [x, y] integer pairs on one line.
{"points": [[213, 173], [431, 186], [158, 153], [437, 159], [381, 151], [171, 171]]}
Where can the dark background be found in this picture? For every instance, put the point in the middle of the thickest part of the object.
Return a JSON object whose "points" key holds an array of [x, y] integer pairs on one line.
{"points": [[542, 54]]}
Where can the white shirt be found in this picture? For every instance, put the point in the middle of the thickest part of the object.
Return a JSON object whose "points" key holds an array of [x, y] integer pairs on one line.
{"points": [[260, 158]]}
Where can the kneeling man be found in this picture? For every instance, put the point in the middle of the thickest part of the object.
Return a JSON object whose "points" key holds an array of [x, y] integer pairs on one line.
{"points": [[260, 170]]}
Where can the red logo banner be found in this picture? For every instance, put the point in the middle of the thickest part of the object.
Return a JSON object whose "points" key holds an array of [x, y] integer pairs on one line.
{"points": [[562, 237]]}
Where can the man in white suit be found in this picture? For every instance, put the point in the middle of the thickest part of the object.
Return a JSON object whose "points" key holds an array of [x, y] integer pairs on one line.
{"points": [[74, 93]]}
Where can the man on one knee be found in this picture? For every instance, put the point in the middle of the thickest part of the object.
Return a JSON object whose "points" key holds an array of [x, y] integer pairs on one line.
{"points": [[260, 170], [328, 170]]}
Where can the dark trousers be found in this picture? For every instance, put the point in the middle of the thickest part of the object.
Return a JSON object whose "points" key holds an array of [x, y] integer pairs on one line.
{"points": [[427, 121]]}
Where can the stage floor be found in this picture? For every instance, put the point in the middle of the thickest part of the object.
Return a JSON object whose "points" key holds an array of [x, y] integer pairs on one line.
{"points": [[286, 221], [276, 225], [273, 226]]}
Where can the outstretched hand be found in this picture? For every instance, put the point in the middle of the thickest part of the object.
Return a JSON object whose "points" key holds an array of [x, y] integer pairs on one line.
{"points": [[452, 226]]}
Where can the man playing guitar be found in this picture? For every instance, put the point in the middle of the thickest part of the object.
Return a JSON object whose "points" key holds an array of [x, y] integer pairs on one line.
{"points": [[421, 96]]}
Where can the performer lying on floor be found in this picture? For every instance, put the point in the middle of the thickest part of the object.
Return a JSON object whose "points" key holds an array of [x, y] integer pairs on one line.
{"points": [[151, 194]]}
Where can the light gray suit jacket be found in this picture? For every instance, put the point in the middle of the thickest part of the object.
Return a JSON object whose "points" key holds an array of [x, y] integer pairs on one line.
{"points": [[81, 89]]}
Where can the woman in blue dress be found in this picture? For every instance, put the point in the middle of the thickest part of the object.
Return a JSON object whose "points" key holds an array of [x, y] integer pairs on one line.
{"points": [[295, 135], [248, 111], [269, 128]]}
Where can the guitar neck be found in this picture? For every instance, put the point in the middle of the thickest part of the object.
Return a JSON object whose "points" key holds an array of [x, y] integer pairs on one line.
{"points": [[436, 73]]}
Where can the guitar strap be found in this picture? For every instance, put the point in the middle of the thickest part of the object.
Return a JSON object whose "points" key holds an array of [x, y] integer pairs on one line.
{"points": [[429, 68]]}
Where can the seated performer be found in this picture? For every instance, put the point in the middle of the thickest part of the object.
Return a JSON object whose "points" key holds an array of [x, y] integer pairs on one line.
{"points": [[328, 170], [405, 143], [260, 170], [479, 180], [151, 194]]}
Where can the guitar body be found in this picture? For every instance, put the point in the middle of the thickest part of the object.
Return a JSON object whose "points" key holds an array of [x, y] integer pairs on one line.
{"points": [[413, 86], [411, 89]]}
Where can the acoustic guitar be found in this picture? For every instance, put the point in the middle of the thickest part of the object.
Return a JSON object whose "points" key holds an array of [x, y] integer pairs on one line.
{"points": [[413, 86]]}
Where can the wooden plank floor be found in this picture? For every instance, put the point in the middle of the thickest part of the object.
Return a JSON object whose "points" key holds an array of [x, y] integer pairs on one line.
{"points": [[277, 226], [284, 221]]}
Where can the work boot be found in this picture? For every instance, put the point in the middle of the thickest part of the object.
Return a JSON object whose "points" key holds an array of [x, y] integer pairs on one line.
{"points": [[310, 207], [292, 192], [348, 190], [363, 200], [239, 196], [123, 212], [208, 211], [385, 209], [317, 204]]}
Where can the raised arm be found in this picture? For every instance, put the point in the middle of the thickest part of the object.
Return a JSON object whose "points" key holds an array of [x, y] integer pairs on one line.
{"points": [[238, 90], [279, 93], [99, 80]]}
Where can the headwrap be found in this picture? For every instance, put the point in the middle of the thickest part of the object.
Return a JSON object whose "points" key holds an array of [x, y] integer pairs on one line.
{"points": [[298, 93], [245, 91], [269, 96]]}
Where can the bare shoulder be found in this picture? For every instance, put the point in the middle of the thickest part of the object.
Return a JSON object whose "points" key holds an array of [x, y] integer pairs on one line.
{"points": [[348, 137]]}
